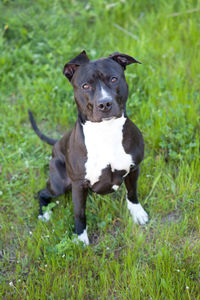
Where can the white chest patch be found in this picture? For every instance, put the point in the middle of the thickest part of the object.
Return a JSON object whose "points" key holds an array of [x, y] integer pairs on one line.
{"points": [[103, 142]]}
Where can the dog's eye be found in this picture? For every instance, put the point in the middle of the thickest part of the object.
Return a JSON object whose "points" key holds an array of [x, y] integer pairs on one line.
{"points": [[85, 86], [114, 79]]}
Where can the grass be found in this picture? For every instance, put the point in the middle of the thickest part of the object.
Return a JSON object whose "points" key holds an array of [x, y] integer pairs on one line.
{"points": [[124, 261]]}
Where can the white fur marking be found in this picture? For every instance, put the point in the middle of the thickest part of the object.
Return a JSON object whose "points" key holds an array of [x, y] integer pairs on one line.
{"points": [[104, 94], [138, 213], [103, 142], [46, 216], [83, 237], [115, 187]]}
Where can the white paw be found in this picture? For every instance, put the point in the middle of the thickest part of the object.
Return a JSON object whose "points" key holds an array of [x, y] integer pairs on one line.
{"points": [[138, 213], [83, 237], [46, 216]]}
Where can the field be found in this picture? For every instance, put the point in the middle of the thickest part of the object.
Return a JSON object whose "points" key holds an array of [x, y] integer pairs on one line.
{"points": [[160, 260]]}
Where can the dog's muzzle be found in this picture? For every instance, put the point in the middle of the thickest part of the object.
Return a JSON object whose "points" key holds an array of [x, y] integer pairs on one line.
{"points": [[104, 105]]}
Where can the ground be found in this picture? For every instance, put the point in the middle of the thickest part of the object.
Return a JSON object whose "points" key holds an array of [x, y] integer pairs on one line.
{"points": [[124, 261]]}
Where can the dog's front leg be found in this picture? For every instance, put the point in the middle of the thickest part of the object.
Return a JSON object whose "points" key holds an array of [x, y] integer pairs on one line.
{"points": [[79, 197], [139, 215]]}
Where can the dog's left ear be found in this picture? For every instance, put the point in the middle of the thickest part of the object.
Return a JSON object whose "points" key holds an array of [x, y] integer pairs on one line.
{"points": [[72, 65], [123, 59]]}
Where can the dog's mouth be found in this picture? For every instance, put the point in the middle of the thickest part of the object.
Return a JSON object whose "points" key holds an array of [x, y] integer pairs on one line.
{"points": [[109, 118], [97, 115]]}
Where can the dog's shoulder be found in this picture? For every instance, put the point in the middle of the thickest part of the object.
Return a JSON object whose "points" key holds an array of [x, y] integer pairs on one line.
{"points": [[60, 148], [133, 141]]}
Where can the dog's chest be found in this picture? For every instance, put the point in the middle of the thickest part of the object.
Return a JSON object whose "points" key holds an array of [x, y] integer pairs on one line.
{"points": [[104, 146]]}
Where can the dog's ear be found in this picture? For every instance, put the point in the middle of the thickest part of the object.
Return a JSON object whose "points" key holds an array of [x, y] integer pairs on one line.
{"points": [[123, 59], [72, 65]]}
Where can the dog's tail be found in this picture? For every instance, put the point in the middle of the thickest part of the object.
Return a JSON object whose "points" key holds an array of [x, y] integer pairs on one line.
{"points": [[43, 137]]}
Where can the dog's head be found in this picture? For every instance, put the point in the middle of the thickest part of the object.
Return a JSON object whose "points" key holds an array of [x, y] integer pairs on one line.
{"points": [[100, 87]]}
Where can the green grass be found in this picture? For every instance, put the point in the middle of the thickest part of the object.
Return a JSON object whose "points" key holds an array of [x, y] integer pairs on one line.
{"points": [[124, 261]]}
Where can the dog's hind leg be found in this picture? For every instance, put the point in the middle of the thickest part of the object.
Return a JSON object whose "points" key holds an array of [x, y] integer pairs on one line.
{"points": [[44, 199], [57, 185]]}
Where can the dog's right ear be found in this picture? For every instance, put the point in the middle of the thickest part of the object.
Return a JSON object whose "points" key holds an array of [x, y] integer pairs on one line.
{"points": [[72, 65]]}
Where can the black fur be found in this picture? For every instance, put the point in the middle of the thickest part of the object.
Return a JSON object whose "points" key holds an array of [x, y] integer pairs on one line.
{"points": [[43, 137]]}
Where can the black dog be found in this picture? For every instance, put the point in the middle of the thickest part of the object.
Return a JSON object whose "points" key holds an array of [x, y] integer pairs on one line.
{"points": [[104, 148]]}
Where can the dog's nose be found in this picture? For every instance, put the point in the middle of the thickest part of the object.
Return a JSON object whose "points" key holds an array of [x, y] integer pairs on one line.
{"points": [[104, 105]]}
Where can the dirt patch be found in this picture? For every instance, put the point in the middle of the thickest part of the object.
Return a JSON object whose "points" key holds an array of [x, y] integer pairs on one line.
{"points": [[172, 217]]}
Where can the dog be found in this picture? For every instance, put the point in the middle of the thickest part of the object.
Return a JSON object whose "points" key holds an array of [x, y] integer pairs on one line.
{"points": [[104, 148]]}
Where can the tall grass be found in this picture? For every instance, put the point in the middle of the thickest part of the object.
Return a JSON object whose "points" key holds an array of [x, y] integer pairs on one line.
{"points": [[124, 261]]}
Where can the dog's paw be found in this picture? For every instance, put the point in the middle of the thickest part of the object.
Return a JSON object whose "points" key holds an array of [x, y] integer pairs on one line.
{"points": [[138, 213], [83, 237], [46, 216]]}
